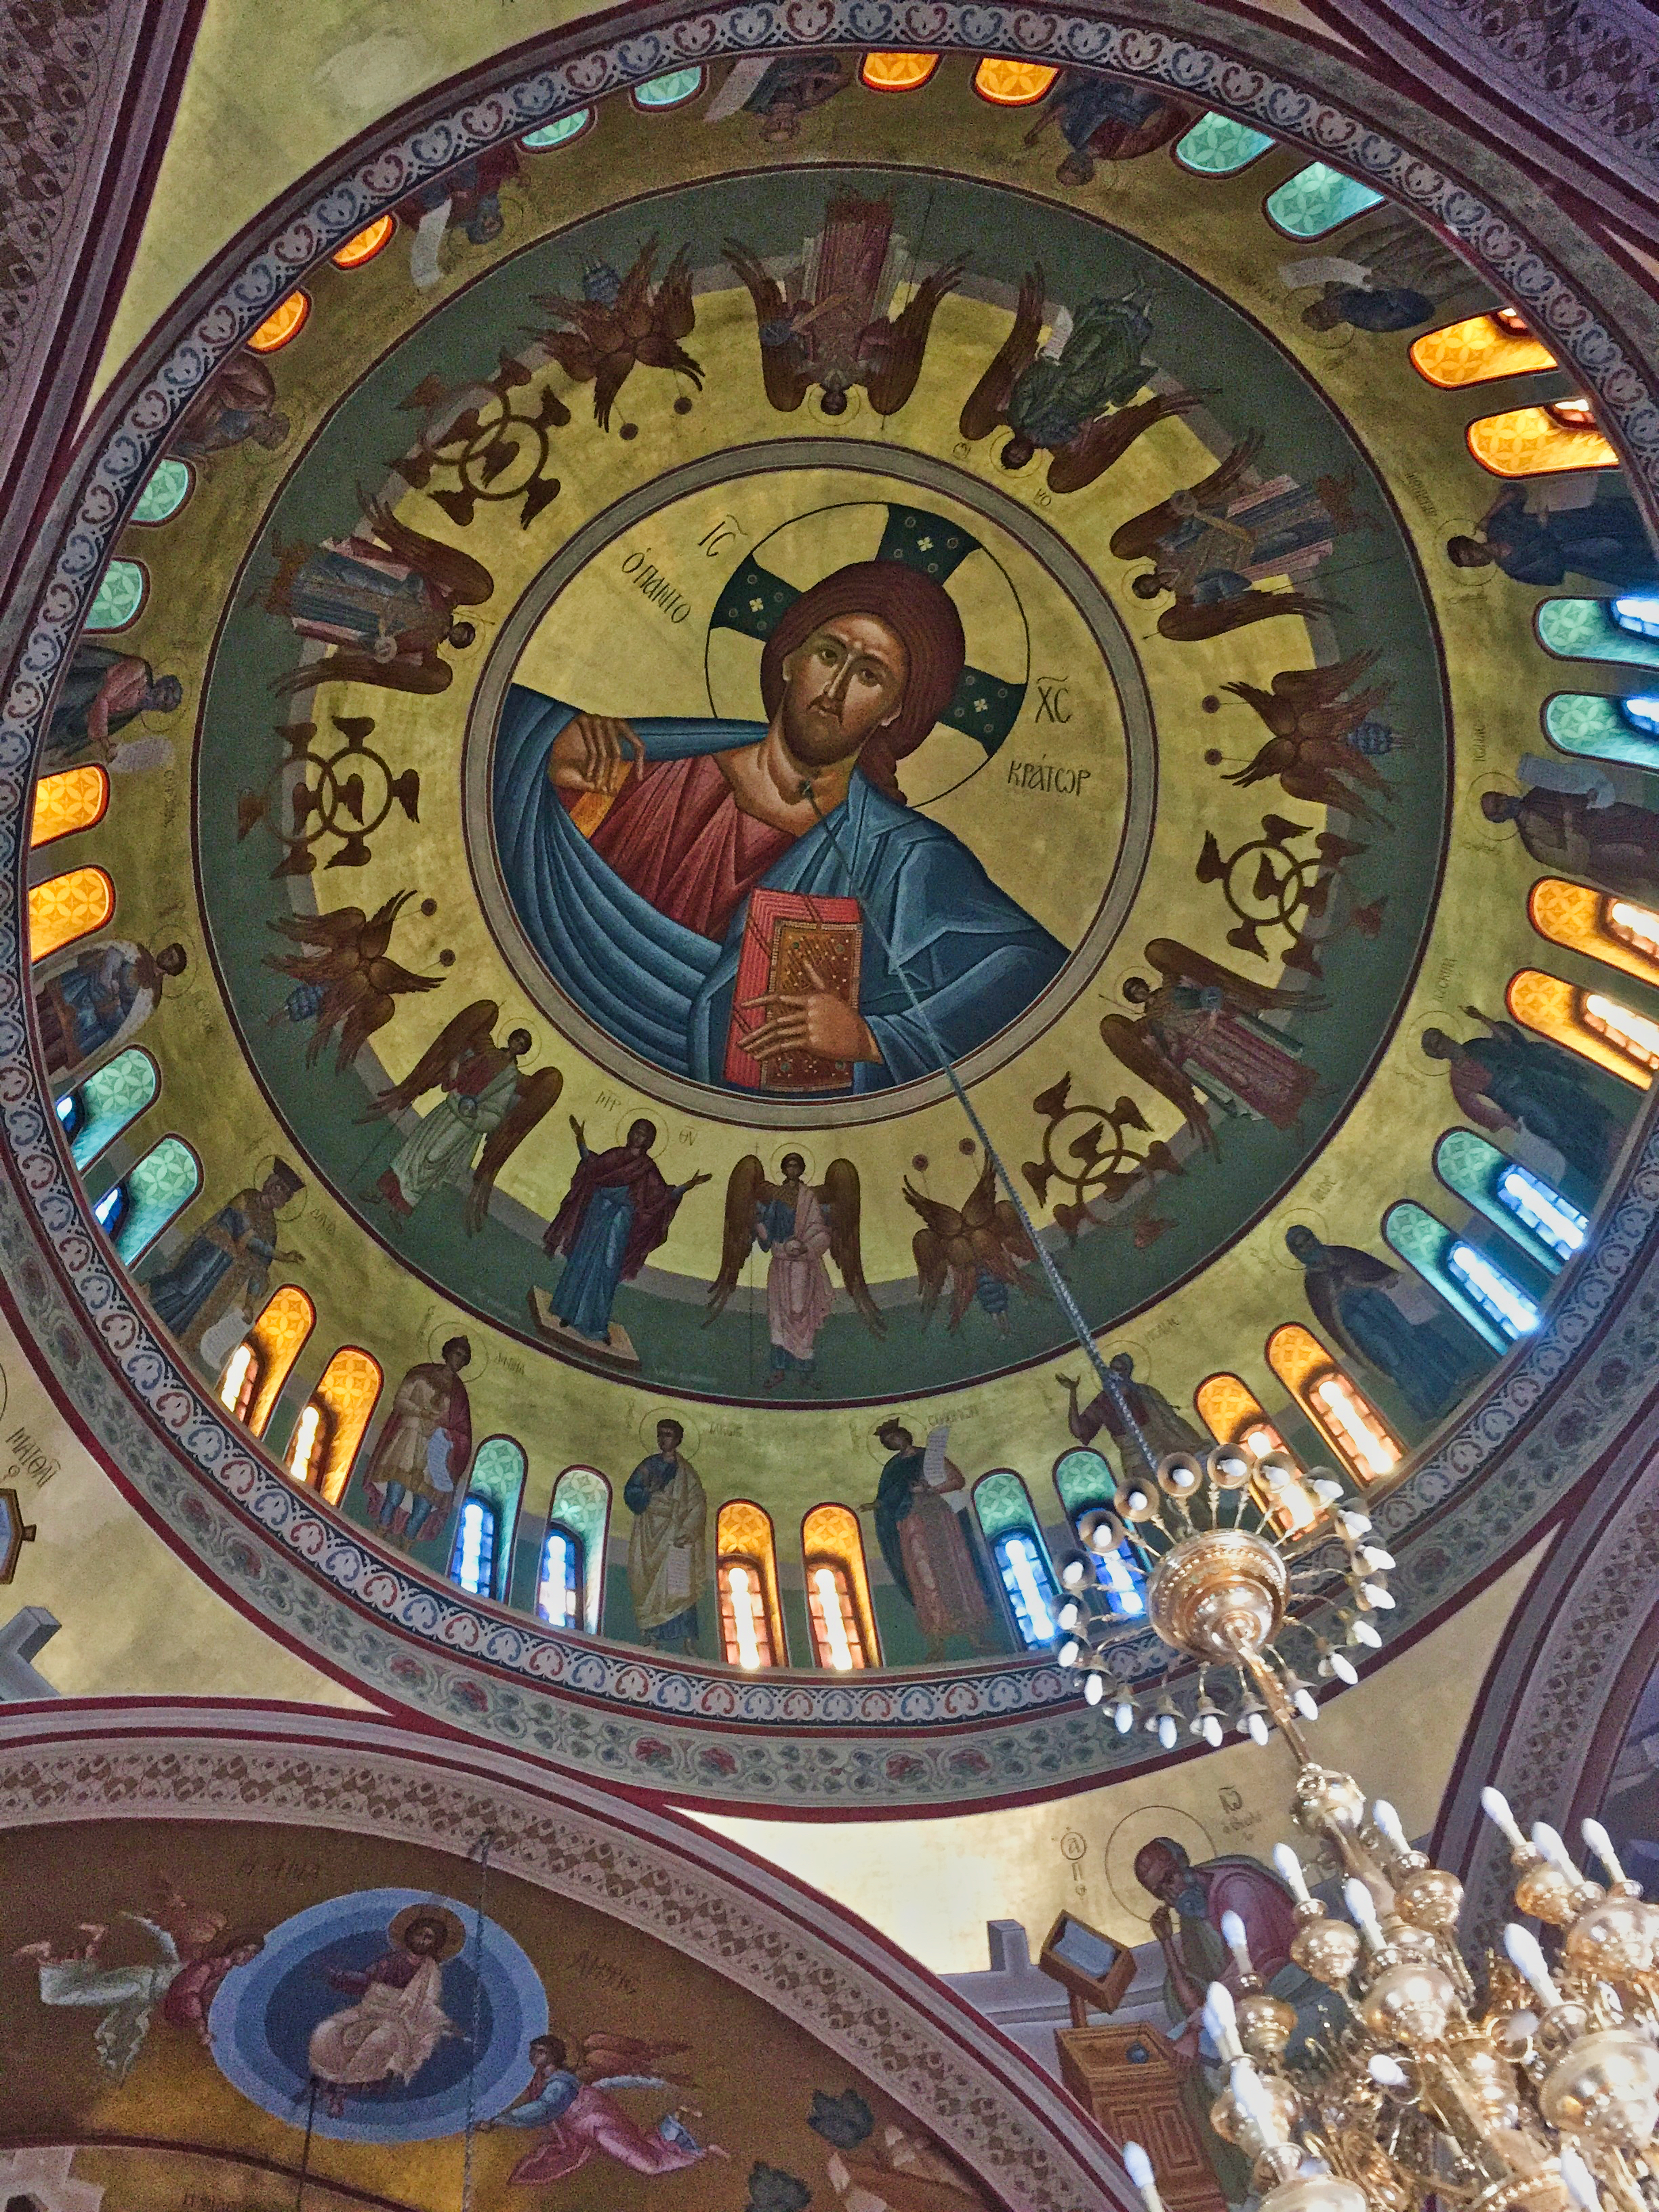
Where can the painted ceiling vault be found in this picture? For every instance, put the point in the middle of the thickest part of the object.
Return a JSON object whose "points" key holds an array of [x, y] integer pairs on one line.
{"points": [[767, 636]]}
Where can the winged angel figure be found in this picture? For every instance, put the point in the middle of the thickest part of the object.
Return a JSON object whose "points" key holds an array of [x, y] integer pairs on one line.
{"points": [[576, 2105], [1070, 397], [485, 1094], [618, 326], [795, 1223], [1311, 747], [980, 1244], [1199, 1039], [346, 982], [836, 331]]}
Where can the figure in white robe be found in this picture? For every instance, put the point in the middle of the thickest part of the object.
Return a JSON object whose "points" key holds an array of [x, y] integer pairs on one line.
{"points": [[793, 1228], [667, 1548], [399, 2019]]}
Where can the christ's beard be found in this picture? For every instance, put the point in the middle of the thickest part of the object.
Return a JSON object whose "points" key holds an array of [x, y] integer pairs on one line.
{"points": [[818, 741]]}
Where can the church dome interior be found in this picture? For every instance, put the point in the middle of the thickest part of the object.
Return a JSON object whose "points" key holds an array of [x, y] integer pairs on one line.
{"points": [[830, 985]]}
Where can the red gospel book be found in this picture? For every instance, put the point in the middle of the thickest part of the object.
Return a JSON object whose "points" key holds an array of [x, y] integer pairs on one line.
{"points": [[785, 934]]}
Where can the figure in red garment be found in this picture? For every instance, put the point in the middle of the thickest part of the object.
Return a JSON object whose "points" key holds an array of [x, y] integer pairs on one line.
{"points": [[577, 2107], [617, 1212]]}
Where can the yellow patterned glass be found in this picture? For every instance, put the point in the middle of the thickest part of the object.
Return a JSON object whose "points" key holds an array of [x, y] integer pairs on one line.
{"points": [[831, 1534], [1477, 352], [897, 72], [66, 907], [1335, 1403], [1530, 442], [276, 1338], [1233, 1414], [1618, 930], [73, 800], [743, 1533], [1012, 84], [282, 325], [366, 244], [1589, 1022], [347, 1393]]}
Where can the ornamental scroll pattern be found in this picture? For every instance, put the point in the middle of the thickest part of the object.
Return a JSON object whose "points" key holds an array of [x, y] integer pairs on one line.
{"points": [[370, 1618]]}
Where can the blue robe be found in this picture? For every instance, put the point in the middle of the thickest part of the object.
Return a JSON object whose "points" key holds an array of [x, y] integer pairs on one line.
{"points": [[975, 960]]}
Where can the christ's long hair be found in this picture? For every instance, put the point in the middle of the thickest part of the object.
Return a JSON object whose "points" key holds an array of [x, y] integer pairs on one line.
{"points": [[921, 614]]}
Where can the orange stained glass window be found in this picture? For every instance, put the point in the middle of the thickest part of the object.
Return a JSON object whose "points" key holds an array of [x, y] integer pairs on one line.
{"points": [[1012, 84], [752, 1614], [1233, 1414], [276, 1338], [897, 72], [1614, 930], [1477, 351], [1335, 1403], [66, 907], [73, 800], [349, 1386], [282, 325], [366, 245], [1533, 441], [830, 1537], [1593, 1024], [239, 1381]]}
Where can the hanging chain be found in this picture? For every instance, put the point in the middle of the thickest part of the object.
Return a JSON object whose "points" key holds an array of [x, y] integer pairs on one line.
{"points": [[481, 1849]]}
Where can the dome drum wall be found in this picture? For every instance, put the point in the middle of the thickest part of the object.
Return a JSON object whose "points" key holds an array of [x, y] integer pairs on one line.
{"points": [[700, 1733]]}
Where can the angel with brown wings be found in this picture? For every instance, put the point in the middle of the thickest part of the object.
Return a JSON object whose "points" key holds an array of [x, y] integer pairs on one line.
{"points": [[980, 1245], [346, 982], [1199, 1039], [833, 328], [1070, 397], [1212, 542], [795, 1223], [577, 2106], [621, 323], [1312, 749], [485, 1094], [384, 603]]}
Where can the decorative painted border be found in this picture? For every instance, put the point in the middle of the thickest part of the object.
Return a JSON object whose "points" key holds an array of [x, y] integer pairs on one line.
{"points": [[982, 2098], [788, 1742]]}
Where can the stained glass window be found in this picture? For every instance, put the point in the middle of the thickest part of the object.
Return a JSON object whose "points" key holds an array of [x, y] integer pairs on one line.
{"points": [[557, 134], [67, 907], [675, 90], [473, 1563], [73, 799], [120, 595], [161, 1184], [558, 1587], [165, 489], [1216, 146], [1317, 200], [111, 1099]]}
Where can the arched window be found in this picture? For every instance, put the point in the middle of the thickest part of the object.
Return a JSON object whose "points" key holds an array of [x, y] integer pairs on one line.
{"points": [[1480, 350], [1003, 1506], [332, 1420], [1335, 1403], [1233, 1414], [1014, 84], [496, 1481], [746, 1570], [74, 799], [677, 89], [361, 248], [110, 1209], [838, 1608], [564, 132], [1616, 931], [167, 488], [257, 1369], [559, 1584], [1545, 1225], [472, 1564], [1216, 146], [1477, 1289], [160, 1186], [1087, 1486], [1317, 200], [897, 72], [1594, 1024], [1635, 613], [580, 1505], [282, 325], [1595, 728], [66, 907], [1538, 442], [109, 1100], [119, 600]]}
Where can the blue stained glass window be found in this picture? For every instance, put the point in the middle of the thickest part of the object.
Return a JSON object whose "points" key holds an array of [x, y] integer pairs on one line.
{"points": [[1030, 1588], [110, 1208], [109, 1100], [558, 1589], [1123, 1582], [1216, 146], [1492, 1290], [557, 134], [1544, 1211], [1317, 199], [472, 1564], [1637, 612], [71, 1111]]}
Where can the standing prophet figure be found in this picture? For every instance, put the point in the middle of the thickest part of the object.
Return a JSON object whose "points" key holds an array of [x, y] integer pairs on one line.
{"points": [[1163, 1429], [922, 1542], [216, 1285], [1391, 1321], [617, 1212], [667, 1547], [421, 1457]]}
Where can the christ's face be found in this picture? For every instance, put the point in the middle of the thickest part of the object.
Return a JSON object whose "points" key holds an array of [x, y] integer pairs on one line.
{"points": [[423, 1937], [842, 685]]}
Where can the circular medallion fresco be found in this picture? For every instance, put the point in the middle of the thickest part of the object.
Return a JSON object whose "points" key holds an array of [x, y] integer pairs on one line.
{"points": [[1023, 683]]}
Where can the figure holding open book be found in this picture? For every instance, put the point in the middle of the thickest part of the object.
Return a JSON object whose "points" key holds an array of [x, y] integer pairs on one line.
{"points": [[734, 901]]}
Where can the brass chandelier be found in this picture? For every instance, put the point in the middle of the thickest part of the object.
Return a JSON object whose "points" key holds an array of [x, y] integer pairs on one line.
{"points": [[1519, 2086]]}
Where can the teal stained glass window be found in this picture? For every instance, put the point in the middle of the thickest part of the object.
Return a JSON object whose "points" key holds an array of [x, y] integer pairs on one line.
{"points": [[557, 134], [1605, 729], [119, 596], [1317, 199], [164, 493], [673, 90], [1426, 1244], [581, 1502], [1216, 146], [1532, 1212], [110, 1099], [1084, 1478], [164, 1181], [1584, 630], [497, 1478]]}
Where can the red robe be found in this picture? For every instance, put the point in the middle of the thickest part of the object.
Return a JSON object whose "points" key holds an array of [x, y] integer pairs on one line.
{"points": [[655, 1203], [676, 836]]}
